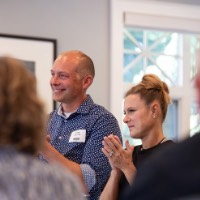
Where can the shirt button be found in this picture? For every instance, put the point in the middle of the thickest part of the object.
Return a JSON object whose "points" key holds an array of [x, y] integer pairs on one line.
{"points": [[60, 137]]}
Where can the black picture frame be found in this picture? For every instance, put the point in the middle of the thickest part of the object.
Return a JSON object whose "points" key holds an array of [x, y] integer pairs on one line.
{"points": [[38, 54]]}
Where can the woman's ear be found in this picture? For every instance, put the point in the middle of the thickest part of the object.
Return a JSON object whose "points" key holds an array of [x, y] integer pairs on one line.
{"points": [[155, 110]]}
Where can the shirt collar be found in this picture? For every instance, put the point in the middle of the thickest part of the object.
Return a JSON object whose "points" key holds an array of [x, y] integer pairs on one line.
{"points": [[84, 107]]}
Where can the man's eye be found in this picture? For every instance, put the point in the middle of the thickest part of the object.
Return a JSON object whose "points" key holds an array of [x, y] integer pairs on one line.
{"points": [[63, 76], [132, 110]]}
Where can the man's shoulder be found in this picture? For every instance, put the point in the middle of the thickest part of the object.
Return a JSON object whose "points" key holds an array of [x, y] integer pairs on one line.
{"points": [[97, 107], [102, 109], [99, 112]]}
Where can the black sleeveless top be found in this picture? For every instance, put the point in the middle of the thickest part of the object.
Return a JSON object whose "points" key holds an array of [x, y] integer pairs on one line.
{"points": [[138, 157]]}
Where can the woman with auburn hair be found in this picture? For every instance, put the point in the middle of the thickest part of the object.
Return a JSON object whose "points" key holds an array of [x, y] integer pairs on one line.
{"points": [[21, 111], [22, 135], [145, 109]]}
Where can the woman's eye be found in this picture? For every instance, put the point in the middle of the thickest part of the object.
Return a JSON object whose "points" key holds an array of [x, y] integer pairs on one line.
{"points": [[129, 111]]}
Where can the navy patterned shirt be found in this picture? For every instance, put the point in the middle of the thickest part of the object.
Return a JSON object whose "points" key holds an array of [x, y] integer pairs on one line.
{"points": [[79, 138], [23, 177]]}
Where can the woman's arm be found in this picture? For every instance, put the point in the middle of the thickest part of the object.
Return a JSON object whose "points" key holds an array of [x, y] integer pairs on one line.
{"points": [[111, 189]]}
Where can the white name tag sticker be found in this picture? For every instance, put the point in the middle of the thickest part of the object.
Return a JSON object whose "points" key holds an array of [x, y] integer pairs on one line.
{"points": [[78, 136]]}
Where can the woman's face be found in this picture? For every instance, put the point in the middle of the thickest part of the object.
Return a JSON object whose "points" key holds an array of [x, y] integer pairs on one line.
{"points": [[138, 116]]}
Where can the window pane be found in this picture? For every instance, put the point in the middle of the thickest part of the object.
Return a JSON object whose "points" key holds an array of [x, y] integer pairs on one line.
{"points": [[170, 125], [147, 51], [133, 74]]}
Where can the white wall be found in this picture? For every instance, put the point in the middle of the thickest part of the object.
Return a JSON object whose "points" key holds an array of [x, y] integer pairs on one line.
{"points": [[192, 2], [76, 24]]}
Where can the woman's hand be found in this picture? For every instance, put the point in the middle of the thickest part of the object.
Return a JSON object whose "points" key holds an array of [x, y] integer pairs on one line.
{"points": [[118, 157]]}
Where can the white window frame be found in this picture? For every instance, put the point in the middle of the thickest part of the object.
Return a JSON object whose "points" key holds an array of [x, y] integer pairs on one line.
{"points": [[181, 17]]}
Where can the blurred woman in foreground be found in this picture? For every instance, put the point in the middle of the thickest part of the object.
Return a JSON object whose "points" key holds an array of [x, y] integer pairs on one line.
{"points": [[22, 134]]}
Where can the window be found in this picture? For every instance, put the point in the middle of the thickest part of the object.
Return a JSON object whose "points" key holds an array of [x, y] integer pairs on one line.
{"points": [[147, 39], [151, 51]]}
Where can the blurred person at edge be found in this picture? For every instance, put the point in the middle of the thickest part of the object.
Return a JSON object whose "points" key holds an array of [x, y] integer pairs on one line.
{"points": [[22, 119], [145, 109], [78, 126]]}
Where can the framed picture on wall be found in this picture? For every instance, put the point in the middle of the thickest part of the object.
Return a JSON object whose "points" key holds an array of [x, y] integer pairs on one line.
{"points": [[38, 54]]}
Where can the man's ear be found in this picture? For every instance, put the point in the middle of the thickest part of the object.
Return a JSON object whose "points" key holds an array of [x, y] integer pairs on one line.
{"points": [[88, 79]]}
